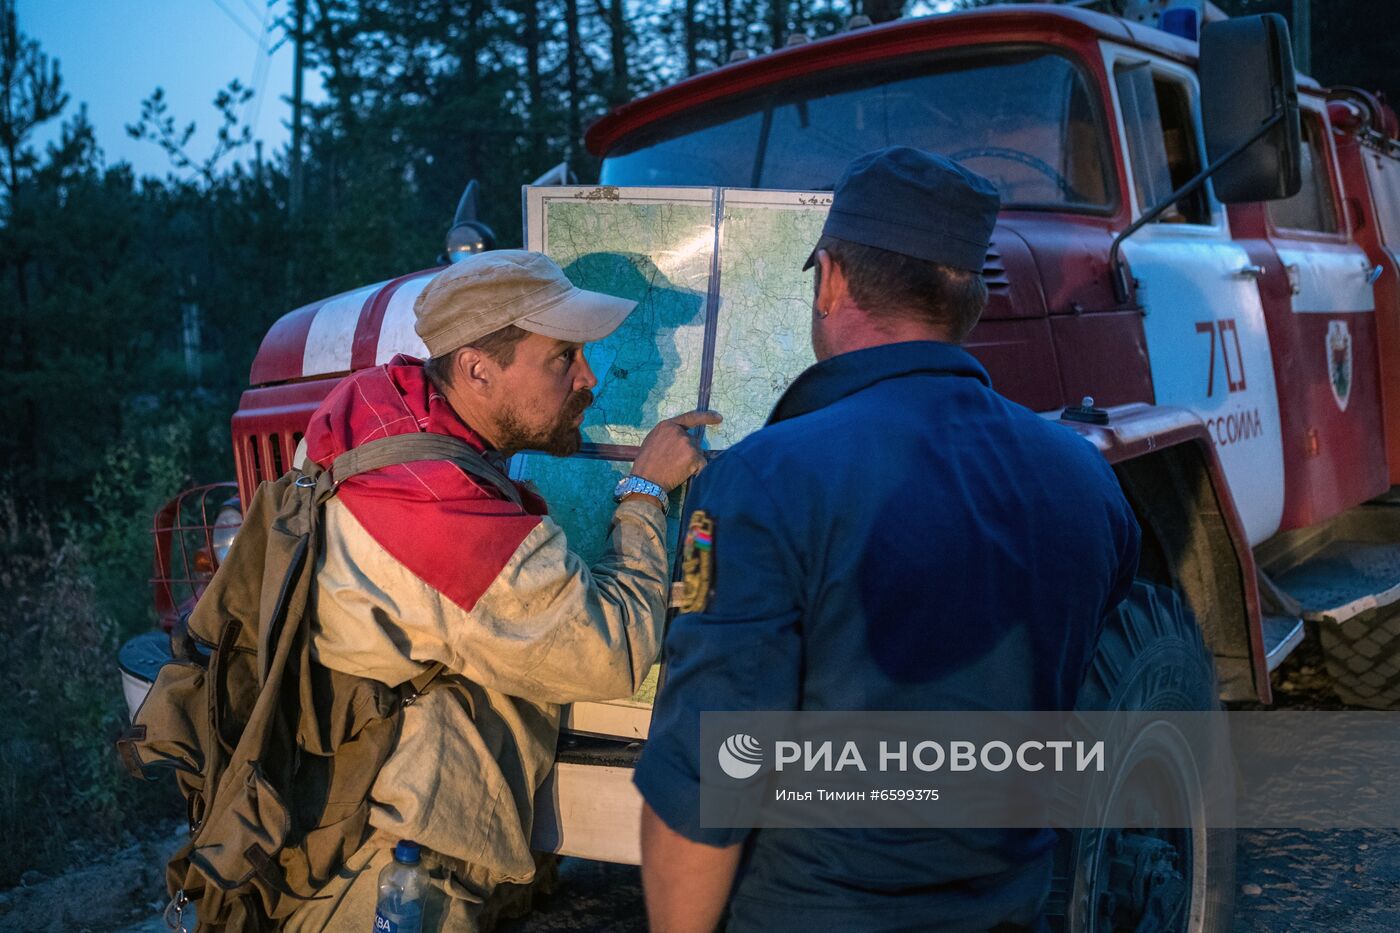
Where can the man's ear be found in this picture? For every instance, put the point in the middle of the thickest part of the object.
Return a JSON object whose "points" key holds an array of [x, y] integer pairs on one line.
{"points": [[831, 294], [474, 371]]}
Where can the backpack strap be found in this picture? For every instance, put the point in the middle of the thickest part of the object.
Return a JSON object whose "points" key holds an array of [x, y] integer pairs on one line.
{"points": [[413, 689], [411, 448], [406, 448]]}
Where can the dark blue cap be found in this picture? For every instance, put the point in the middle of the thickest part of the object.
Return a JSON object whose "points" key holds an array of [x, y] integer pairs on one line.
{"points": [[917, 203]]}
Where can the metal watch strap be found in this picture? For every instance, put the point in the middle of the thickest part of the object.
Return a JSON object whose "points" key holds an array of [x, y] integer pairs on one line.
{"points": [[633, 483]]}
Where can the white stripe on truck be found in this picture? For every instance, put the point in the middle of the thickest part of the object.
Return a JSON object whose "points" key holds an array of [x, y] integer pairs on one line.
{"points": [[332, 332], [396, 334]]}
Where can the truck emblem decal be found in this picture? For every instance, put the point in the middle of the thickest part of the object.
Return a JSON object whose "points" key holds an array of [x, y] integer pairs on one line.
{"points": [[1339, 361]]}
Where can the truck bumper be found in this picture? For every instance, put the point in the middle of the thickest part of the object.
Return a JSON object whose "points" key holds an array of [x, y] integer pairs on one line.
{"points": [[590, 811]]}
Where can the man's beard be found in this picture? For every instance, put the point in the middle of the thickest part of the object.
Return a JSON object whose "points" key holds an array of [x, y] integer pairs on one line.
{"points": [[559, 439]]}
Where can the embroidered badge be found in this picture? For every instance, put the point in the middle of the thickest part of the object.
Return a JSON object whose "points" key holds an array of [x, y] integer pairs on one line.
{"points": [[697, 564]]}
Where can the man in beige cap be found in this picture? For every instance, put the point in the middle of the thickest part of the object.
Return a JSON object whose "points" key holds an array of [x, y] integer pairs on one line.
{"points": [[425, 564]]}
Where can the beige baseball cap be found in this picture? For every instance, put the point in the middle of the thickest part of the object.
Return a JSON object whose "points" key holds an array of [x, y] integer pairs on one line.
{"points": [[488, 291]]}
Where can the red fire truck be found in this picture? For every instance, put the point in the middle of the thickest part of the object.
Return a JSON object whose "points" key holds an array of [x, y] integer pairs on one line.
{"points": [[1231, 338]]}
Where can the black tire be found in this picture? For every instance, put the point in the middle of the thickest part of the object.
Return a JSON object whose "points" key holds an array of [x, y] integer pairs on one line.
{"points": [[1149, 657], [1363, 657]]}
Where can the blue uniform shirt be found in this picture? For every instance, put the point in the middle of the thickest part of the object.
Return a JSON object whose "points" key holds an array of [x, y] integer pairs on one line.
{"points": [[897, 537]]}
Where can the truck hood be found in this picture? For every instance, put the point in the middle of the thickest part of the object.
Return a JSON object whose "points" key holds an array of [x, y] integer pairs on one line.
{"points": [[348, 332]]}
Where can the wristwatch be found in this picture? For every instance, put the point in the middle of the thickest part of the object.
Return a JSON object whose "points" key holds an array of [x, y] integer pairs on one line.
{"points": [[634, 483]]}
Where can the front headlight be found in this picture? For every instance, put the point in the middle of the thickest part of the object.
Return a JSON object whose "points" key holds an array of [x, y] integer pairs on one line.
{"points": [[467, 239], [226, 525]]}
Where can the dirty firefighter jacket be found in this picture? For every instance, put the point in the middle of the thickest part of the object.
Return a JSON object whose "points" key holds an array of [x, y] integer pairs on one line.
{"points": [[422, 565]]}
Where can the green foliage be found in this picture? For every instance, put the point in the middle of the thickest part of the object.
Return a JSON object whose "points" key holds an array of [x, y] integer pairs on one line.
{"points": [[59, 780], [33, 93], [70, 593], [135, 479]]}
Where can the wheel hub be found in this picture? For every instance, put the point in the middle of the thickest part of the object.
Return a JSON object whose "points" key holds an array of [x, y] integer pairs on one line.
{"points": [[1143, 889]]}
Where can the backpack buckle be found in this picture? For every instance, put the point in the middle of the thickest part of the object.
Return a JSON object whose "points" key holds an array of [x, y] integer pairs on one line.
{"points": [[304, 481], [174, 913]]}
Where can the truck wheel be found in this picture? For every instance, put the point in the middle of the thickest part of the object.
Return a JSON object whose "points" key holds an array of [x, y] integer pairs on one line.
{"points": [[1363, 657], [1149, 657]]}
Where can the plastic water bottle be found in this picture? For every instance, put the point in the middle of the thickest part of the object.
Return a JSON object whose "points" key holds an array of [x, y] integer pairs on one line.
{"points": [[403, 887]]}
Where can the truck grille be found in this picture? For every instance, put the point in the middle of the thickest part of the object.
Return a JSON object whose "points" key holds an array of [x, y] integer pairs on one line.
{"points": [[269, 456], [183, 531]]}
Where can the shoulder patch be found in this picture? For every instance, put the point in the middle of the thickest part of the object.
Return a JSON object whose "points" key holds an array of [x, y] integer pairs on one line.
{"points": [[697, 564]]}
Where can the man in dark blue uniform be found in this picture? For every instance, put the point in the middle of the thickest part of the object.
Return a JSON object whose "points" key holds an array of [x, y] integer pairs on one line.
{"points": [[898, 537]]}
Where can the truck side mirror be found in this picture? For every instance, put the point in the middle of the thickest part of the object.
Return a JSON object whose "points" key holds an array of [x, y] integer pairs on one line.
{"points": [[1249, 105], [1246, 72]]}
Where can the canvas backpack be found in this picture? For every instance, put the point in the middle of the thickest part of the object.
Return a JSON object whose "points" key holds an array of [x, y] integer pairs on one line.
{"points": [[274, 753]]}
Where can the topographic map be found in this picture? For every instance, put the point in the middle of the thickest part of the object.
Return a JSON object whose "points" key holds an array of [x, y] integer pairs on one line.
{"points": [[653, 245], [579, 493], [657, 246], [763, 328]]}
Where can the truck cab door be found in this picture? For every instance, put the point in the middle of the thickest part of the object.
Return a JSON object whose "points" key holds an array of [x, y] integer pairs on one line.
{"points": [[1204, 322], [1382, 168], [1315, 284], [1327, 272]]}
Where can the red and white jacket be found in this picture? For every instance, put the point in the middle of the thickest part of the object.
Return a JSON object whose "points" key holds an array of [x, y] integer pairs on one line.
{"points": [[421, 564]]}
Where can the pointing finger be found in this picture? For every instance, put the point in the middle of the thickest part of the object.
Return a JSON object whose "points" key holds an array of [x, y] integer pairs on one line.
{"points": [[693, 419]]}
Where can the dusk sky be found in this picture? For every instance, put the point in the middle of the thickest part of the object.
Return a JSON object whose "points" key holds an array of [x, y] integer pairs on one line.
{"points": [[114, 53]]}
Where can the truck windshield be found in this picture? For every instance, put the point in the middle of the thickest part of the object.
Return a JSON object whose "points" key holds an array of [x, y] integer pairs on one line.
{"points": [[1022, 117]]}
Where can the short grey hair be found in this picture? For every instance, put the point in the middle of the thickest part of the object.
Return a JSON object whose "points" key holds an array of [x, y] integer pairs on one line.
{"points": [[893, 285]]}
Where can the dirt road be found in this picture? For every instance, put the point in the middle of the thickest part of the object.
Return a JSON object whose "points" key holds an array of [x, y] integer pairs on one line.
{"points": [[1348, 882], [1289, 882]]}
